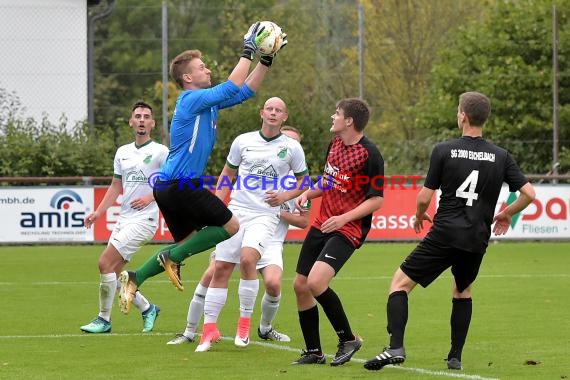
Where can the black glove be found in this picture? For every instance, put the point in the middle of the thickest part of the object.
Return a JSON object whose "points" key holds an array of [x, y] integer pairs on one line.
{"points": [[267, 60], [250, 40]]}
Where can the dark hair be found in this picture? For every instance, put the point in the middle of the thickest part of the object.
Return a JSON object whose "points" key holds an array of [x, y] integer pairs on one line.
{"points": [[357, 109], [476, 106], [141, 104]]}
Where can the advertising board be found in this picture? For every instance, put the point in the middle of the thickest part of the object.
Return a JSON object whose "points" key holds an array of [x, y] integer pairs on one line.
{"points": [[45, 214], [55, 214]]}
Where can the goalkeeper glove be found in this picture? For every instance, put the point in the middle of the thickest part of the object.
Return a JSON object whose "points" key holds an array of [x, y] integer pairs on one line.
{"points": [[251, 39], [267, 60]]}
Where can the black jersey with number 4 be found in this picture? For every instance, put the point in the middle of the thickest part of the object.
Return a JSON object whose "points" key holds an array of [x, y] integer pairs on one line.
{"points": [[470, 172]]}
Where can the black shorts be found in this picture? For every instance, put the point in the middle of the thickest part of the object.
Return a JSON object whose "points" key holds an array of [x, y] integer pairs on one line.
{"points": [[428, 260], [188, 208], [333, 249]]}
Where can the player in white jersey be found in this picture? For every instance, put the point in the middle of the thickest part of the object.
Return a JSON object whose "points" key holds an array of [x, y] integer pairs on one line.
{"points": [[270, 266], [260, 163], [133, 165]]}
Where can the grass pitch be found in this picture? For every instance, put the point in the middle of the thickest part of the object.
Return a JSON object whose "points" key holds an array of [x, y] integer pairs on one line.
{"points": [[519, 330]]}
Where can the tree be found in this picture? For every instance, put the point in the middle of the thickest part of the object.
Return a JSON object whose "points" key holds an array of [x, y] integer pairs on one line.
{"points": [[32, 148], [10, 106], [507, 56], [43, 149], [311, 74], [402, 40]]}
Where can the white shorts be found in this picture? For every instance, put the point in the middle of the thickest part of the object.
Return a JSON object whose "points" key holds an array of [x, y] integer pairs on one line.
{"points": [[255, 231], [129, 235], [273, 255]]}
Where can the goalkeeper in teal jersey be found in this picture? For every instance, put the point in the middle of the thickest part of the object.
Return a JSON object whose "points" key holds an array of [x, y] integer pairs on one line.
{"points": [[196, 218]]}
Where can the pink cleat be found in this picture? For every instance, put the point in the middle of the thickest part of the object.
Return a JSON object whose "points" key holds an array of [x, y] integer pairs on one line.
{"points": [[242, 334], [210, 335]]}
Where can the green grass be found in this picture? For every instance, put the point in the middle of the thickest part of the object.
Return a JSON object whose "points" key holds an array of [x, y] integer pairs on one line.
{"points": [[520, 314]]}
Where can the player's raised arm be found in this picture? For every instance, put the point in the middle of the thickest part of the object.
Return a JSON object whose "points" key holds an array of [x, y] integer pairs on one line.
{"points": [[265, 61], [254, 35]]}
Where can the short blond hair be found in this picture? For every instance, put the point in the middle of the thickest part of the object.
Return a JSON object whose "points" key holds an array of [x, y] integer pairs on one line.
{"points": [[180, 65], [292, 129]]}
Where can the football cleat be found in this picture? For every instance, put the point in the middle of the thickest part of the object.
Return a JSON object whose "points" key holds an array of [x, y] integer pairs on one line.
{"points": [[454, 363], [97, 326], [242, 334], [210, 335], [346, 350], [149, 317], [180, 339], [171, 268], [127, 290], [387, 356], [310, 358], [273, 335]]}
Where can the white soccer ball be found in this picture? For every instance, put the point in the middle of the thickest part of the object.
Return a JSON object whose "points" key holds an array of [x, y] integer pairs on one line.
{"points": [[270, 44]]}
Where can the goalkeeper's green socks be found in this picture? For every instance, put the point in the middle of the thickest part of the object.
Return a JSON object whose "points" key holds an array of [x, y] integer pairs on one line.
{"points": [[151, 267], [206, 238]]}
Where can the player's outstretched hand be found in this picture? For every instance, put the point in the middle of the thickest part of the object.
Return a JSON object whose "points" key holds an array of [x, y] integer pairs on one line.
{"points": [[267, 60], [274, 198], [301, 201], [252, 38], [419, 222], [333, 223], [90, 219], [502, 222], [284, 42]]}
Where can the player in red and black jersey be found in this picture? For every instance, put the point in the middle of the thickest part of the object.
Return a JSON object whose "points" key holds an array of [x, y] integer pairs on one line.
{"points": [[470, 172], [351, 189]]}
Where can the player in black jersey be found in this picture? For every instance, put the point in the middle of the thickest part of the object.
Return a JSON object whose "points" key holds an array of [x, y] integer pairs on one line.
{"points": [[470, 172]]}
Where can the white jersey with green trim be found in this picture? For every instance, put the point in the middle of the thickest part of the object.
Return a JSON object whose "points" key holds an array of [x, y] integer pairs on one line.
{"points": [[133, 165], [283, 227], [263, 165]]}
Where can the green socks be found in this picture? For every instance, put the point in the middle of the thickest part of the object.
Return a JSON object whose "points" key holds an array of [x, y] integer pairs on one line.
{"points": [[151, 267], [206, 238]]}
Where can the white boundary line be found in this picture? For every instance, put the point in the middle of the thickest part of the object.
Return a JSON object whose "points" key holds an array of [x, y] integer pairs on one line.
{"points": [[341, 278], [263, 344]]}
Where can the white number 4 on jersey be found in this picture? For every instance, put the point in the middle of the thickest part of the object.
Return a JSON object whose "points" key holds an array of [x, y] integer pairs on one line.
{"points": [[467, 188]]}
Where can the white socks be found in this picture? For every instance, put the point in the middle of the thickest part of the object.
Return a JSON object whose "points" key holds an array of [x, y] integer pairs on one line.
{"points": [[269, 307], [195, 310], [141, 302], [247, 292], [107, 290], [214, 302]]}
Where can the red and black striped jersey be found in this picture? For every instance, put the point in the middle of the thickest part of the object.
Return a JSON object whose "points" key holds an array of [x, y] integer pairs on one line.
{"points": [[352, 174]]}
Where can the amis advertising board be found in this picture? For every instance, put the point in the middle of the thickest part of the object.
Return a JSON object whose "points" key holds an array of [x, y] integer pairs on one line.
{"points": [[45, 214]]}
